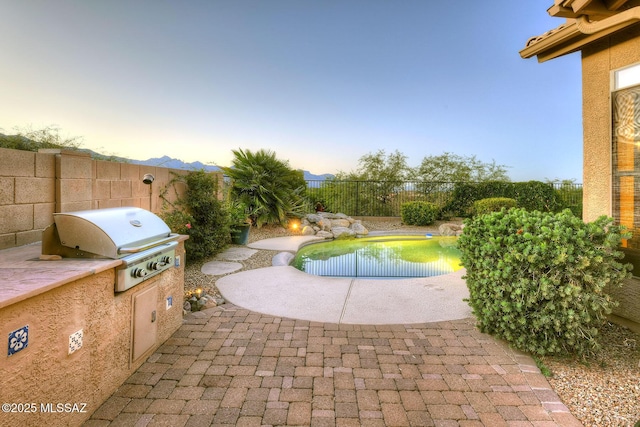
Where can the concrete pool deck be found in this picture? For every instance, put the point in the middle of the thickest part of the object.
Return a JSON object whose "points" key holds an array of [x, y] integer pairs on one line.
{"points": [[287, 292]]}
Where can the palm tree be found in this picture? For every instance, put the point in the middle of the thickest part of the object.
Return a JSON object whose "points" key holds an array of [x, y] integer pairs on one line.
{"points": [[270, 189]]}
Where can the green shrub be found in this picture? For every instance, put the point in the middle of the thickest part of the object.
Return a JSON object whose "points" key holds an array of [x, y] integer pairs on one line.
{"points": [[199, 214], [536, 196], [178, 220], [419, 213], [537, 279], [531, 195], [465, 194], [576, 210], [493, 204]]}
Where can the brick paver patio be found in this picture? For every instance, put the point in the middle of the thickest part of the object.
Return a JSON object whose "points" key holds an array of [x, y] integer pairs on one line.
{"points": [[230, 366]]}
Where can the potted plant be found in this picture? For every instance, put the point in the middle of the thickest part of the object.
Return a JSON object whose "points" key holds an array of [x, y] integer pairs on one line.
{"points": [[239, 223]]}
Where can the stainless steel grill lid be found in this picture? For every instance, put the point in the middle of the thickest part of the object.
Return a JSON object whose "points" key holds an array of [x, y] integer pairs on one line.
{"points": [[112, 232]]}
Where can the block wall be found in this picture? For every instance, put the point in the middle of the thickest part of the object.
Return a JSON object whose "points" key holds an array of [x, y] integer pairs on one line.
{"points": [[27, 196], [35, 185]]}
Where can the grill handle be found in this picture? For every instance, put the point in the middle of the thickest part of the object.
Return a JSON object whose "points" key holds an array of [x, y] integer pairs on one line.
{"points": [[172, 237]]}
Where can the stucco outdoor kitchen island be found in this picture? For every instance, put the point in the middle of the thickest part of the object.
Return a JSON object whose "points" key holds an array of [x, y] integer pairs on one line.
{"points": [[71, 341]]}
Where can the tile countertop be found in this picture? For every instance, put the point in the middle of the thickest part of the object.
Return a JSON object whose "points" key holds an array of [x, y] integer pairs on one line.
{"points": [[23, 275]]}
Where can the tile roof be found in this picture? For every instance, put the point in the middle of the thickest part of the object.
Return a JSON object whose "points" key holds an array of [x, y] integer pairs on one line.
{"points": [[586, 22], [536, 39]]}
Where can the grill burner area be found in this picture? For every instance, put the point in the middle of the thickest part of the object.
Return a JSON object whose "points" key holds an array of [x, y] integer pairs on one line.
{"points": [[144, 265], [136, 236]]}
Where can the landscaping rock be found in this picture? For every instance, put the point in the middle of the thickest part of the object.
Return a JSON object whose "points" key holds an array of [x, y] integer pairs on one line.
{"points": [[325, 224], [313, 218], [340, 223], [308, 230], [359, 229], [449, 229], [209, 303], [332, 225], [324, 234], [342, 232]]}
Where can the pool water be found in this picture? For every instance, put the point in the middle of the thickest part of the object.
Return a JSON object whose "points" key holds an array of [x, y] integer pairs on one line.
{"points": [[381, 256]]}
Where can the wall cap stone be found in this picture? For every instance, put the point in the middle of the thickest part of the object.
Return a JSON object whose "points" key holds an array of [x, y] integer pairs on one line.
{"points": [[65, 152]]}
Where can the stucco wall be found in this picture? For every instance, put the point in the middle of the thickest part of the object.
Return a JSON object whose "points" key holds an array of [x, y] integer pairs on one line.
{"points": [[44, 372], [598, 61], [597, 139]]}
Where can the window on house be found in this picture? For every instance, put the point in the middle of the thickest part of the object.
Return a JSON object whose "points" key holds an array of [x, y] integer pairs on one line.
{"points": [[625, 77], [626, 157]]}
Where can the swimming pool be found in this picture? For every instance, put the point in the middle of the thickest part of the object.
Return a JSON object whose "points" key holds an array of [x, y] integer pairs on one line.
{"points": [[381, 256]]}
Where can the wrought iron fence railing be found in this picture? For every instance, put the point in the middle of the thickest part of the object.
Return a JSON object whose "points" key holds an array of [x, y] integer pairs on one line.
{"points": [[385, 198]]}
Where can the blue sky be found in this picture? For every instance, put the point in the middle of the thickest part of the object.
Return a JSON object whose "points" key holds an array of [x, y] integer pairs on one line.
{"points": [[321, 83]]}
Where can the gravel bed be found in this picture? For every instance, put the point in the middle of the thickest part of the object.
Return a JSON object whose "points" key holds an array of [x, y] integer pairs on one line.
{"points": [[602, 390]]}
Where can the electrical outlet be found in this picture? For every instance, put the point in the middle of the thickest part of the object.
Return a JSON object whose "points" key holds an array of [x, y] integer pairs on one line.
{"points": [[177, 261], [75, 341], [169, 302]]}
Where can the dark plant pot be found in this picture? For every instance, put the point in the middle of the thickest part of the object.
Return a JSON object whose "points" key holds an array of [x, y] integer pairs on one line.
{"points": [[240, 234]]}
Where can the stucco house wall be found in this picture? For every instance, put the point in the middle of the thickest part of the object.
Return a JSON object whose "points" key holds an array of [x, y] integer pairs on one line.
{"points": [[607, 35], [599, 60]]}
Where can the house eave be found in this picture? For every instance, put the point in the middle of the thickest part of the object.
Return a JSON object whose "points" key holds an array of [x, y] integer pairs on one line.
{"points": [[574, 35], [551, 44]]}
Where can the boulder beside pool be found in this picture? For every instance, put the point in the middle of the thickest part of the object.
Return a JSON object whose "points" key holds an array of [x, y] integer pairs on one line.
{"points": [[449, 229], [332, 226]]}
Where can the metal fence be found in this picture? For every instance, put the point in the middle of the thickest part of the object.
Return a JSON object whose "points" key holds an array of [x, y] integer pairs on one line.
{"points": [[570, 195], [384, 198]]}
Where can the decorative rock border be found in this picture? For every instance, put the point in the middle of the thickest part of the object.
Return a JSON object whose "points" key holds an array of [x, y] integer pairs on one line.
{"points": [[196, 302], [332, 226]]}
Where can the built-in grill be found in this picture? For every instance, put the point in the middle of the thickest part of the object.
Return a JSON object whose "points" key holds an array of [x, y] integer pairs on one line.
{"points": [[136, 236]]}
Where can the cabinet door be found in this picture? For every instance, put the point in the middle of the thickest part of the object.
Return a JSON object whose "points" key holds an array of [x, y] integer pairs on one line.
{"points": [[145, 324]]}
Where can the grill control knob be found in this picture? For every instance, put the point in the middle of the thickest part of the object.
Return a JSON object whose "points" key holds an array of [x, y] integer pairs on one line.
{"points": [[166, 259], [154, 265], [138, 272]]}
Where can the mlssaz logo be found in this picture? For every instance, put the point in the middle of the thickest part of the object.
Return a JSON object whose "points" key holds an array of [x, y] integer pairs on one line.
{"points": [[63, 407]]}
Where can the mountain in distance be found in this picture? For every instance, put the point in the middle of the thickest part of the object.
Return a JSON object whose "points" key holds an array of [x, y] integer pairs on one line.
{"points": [[18, 142], [309, 176], [169, 162]]}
